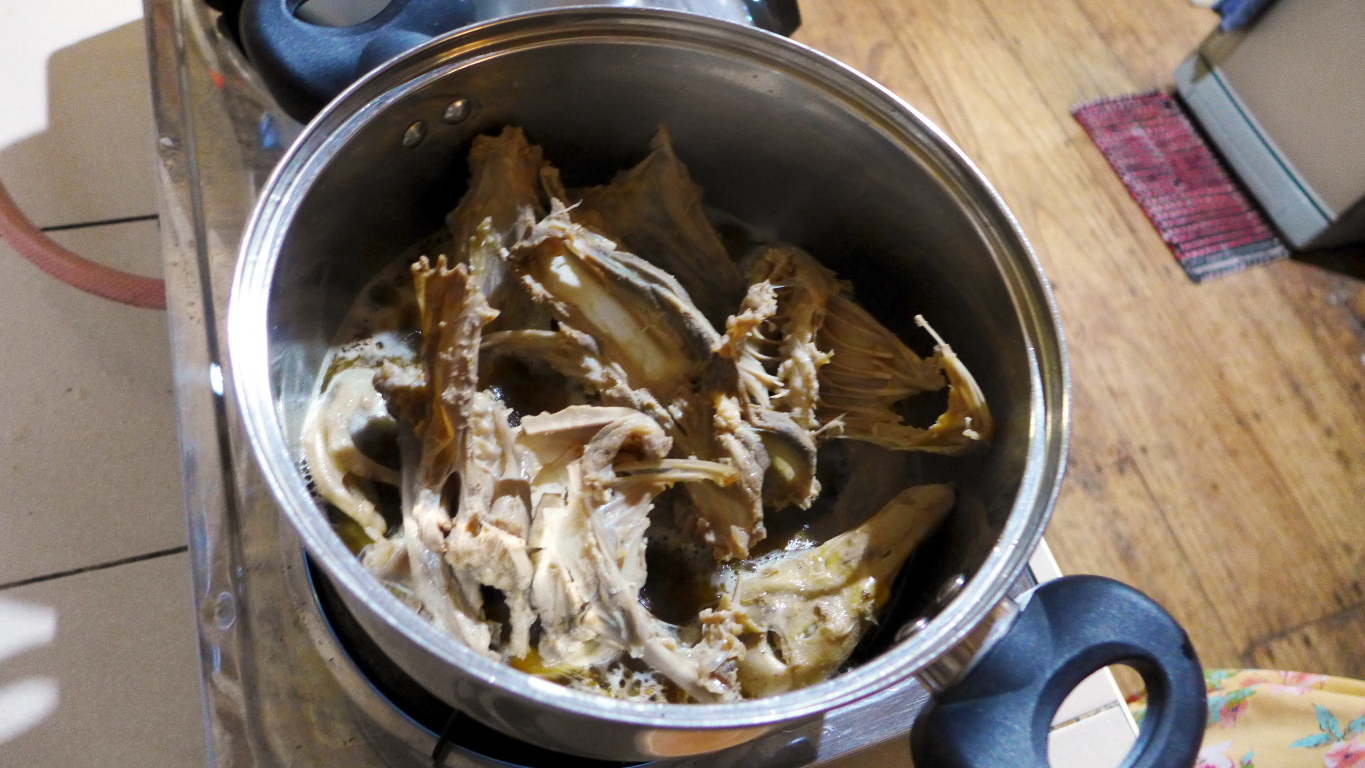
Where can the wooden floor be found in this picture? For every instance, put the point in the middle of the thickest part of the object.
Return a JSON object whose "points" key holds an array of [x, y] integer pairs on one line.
{"points": [[1218, 450]]}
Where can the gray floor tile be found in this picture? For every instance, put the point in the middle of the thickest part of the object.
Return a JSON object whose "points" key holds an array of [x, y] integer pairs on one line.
{"points": [[88, 456]]}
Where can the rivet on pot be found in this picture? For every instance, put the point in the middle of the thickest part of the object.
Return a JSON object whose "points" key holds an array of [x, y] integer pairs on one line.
{"points": [[414, 134], [949, 590], [913, 627], [458, 110]]}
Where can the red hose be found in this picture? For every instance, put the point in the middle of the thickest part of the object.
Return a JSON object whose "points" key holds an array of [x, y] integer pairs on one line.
{"points": [[75, 271]]}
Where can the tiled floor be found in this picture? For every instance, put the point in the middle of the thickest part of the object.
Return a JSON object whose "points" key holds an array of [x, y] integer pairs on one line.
{"points": [[98, 656]]}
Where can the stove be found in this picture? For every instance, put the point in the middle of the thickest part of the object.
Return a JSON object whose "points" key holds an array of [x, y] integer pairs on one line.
{"points": [[287, 678]]}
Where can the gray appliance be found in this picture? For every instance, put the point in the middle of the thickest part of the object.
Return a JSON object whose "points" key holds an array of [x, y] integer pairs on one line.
{"points": [[1284, 102]]}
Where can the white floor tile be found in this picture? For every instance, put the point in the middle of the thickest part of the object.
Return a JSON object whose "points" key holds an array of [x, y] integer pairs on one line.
{"points": [[1043, 564], [1099, 741], [89, 465], [76, 131], [1098, 690], [108, 673]]}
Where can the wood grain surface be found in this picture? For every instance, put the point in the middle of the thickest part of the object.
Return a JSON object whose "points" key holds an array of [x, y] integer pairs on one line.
{"points": [[1218, 449]]}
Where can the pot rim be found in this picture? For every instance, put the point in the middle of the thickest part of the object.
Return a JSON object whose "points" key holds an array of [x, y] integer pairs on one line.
{"points": [[1049, 407]]}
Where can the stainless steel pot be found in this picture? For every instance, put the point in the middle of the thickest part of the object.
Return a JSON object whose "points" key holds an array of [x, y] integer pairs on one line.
{"points": [[797, 145]]}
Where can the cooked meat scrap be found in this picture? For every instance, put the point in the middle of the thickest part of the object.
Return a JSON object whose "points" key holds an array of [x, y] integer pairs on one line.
{"points": [[728, 519], [588, 548], [486, 546], [654, 210], [640, 319], [336, 464], [814, 605], [504, 181], [623, 514], [837, 371], [453, 313]]}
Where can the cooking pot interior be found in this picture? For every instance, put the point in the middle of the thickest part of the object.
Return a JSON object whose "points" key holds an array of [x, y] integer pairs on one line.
{"points": [[783, 153]]}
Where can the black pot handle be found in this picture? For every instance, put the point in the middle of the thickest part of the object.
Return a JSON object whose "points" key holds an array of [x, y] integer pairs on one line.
{"points": [[1000, 712], [305, 65]]}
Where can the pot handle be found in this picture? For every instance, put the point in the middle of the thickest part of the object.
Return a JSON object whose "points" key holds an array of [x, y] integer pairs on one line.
{"points": [[305, 65], [999, 713]]}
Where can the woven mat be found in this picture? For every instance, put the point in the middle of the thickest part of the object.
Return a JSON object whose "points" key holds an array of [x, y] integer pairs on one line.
{"points": [[1210, 224]]}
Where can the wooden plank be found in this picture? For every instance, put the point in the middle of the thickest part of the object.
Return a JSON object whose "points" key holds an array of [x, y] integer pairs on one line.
{"points": [[1330, 646], [1210, 420], [1290, 406], [1149, 39], [856, 34], [1108, 522]]}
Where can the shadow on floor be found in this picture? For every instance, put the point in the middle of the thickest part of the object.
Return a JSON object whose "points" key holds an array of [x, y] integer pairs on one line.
{"points": [[1348, 260], [95, 160]]}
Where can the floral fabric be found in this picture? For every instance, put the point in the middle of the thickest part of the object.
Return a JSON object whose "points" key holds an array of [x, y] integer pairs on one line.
{"points": [[1268, 719]]}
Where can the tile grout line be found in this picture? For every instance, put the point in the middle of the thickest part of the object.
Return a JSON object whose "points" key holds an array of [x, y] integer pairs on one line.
{"points": [[101, 223], [95, 567], [1086, 715]]}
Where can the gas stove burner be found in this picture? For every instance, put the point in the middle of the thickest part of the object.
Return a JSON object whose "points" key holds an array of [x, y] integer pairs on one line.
{"points": [[455, 733]]}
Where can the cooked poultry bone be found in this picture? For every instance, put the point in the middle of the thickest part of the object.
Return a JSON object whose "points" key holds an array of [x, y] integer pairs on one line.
{"points": [[726, 516], [486, 546], [639, 315], [617, 307], [816, 604], [655, 210], [790, 479], [453, 313], [588, 547], [558, 438], [334, 461], [779, 403], [842, 372], [577, 357], [872, 371], [966, 423], [773, 338], [504, 180]]}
